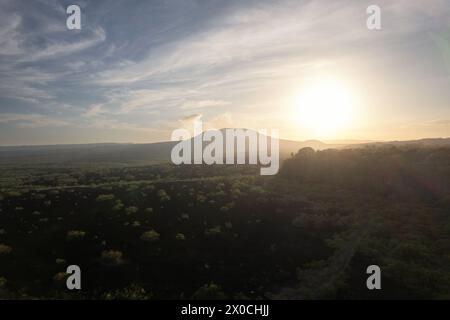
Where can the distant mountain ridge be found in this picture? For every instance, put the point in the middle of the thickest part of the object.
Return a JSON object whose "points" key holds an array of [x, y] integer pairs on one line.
{"points": [[426, 142], [159, 152]]}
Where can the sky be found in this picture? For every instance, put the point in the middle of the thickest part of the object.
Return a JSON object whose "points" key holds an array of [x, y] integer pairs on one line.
{"points": [[137, 70]]}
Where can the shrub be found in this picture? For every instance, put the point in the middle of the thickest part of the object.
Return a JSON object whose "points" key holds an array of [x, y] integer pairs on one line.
{"points": [[236, 193], [113, 257], [150, 236], [220, 193], [60, 276], [209, 292], [180, 236], [220, 186], [4, 249], [118, 205], [257, 190], [213, 231], [3, 282], [201, 198], [14, 193], [136, 224], [40, 196], [75, 234], [227, 207], [105, 197], [131, 210], [132, 292], [149, 210], [163, 196]]}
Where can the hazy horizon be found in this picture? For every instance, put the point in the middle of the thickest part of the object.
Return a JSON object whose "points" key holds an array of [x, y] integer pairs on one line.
{"points": [[325, 141]]}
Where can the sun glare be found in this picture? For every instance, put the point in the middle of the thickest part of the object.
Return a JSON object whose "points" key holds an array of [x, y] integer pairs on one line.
{"points": [[324, 108]]}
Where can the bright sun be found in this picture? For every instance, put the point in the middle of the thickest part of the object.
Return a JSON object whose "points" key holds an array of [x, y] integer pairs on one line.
{"points": [[324, 108]]}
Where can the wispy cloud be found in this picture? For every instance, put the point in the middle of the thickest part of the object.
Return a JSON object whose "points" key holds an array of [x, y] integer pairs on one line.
{"points": [[52, 50], [9, 36], [132, 67], [200, 104], [93, 111], [31, 120]]}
